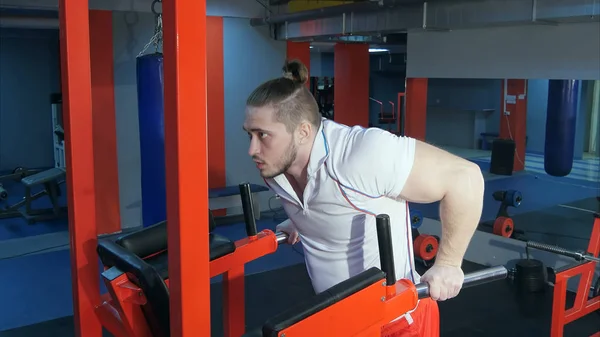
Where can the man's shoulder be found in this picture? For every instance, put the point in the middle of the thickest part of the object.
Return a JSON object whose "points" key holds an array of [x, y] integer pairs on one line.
{"points": [[351, 141]]}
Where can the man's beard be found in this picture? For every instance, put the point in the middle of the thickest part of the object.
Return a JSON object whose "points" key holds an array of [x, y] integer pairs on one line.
{"points": [[288, 159]]}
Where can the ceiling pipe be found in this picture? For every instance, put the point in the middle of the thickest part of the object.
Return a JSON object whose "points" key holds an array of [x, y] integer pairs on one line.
{"points": [[320, 13]]}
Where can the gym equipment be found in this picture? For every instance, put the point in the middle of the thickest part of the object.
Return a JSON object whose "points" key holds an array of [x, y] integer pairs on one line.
{"points": [[19, 173], [530, 275], [586, 266], [503, 224], [425, 247], [322, 90], [137, 275], [58, 130], [228, 197], [150, 86], [561, 125], [361, 305], [503, 156], [416, 219], [51, 180]]}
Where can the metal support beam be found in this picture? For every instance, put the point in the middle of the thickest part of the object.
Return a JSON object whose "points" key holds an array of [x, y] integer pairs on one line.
{"points": [[434, 16], [79, 153], [186, 156]]}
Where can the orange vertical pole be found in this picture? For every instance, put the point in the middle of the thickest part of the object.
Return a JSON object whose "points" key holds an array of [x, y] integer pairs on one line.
{"points": [[351, 84], [184, 23], [300, 51], [79, 156], [104, 123], [216, 104], [415, 120], [513, 118]]}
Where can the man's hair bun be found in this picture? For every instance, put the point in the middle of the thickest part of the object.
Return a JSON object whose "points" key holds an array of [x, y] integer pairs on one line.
{"points": [[295, 71]]}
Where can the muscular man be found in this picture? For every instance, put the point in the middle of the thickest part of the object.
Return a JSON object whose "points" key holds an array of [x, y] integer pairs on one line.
{"points": [[333, 179]]}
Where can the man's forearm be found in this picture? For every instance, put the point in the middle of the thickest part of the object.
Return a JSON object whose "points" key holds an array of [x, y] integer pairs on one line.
{"points": [[460, 212]]}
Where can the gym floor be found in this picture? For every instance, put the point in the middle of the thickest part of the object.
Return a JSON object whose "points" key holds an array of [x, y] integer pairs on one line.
{"points": [[36, 279]]}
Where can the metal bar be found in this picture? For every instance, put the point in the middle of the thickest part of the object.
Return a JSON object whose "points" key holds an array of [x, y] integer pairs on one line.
{"points": [[184, 24], [578, 256], [77, 110], [472, 279], [281, 237]]}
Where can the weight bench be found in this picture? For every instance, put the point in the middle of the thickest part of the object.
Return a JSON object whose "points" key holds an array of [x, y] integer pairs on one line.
{"points": [[228, 197], [51, 180], [137, 276]]}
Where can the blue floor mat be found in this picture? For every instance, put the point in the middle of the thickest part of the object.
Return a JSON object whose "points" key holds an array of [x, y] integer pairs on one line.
{"points": [[539, 191], [14, 228]]}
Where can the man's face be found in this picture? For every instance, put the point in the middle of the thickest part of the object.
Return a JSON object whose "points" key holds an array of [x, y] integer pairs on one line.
{"points": [[272, 147]]}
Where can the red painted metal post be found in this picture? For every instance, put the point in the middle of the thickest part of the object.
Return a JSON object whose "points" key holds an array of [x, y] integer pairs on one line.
{"points": [[184, 23], [77, 113]]}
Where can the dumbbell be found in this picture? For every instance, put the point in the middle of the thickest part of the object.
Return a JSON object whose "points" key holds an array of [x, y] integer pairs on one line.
{"points": [[425, 246]]}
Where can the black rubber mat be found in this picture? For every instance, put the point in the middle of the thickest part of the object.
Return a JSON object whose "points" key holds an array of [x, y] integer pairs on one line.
{"points": [[590, 204], [568, 226], [489, 310]]}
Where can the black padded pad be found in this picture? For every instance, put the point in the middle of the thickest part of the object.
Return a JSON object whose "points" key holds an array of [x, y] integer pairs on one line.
{"points": [[152, 239], [146, 241], [313, 305], [219, 246], [160, 262], [146, 277]]}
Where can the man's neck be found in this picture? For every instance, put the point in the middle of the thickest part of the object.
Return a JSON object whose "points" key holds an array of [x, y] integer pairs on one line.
{"points": [[299, 169]]}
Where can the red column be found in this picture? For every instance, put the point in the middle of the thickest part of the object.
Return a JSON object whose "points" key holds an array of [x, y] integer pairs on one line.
{"points": [[79, 157], [300, 51], [513, 118], [216, 104], [351, 84], [415, 121], [106, 170], [187, 170]]}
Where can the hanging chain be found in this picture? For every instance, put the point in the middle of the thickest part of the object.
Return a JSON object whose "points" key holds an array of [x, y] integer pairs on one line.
{"points": [[158, 33], [157, 38], [158, 28]]}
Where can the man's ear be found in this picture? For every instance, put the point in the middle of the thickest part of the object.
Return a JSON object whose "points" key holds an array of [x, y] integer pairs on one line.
{"points": [[304, 131]]}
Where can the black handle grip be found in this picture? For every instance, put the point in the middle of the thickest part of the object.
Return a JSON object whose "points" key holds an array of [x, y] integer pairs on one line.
{"points": [[249, 218], [386, 251]]}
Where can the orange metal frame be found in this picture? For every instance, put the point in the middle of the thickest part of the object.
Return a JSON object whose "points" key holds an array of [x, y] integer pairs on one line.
{"points": [[184, 25], [583, 304], [121, 314], [379, 303]]}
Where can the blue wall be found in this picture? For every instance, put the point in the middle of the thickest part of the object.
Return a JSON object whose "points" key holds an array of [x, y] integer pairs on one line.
{"points": [[29, 63], [262, 60], [455, 110]]}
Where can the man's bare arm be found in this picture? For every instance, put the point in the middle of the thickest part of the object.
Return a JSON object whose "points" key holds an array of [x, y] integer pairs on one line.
{"points": [[459, 186]]}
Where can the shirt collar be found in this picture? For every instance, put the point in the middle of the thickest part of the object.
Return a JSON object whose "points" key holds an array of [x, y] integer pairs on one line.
{"points": [[319, 152]]}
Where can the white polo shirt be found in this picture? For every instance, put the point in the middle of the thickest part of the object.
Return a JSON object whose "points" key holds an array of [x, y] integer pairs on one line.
{"points": [[354, 174]]}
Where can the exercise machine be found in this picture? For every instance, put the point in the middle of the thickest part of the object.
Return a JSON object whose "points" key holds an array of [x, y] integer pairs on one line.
{"points": [[50, 180], [361, 305], [586, 301], [58, 132], [137, 276], [503, 224]]}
